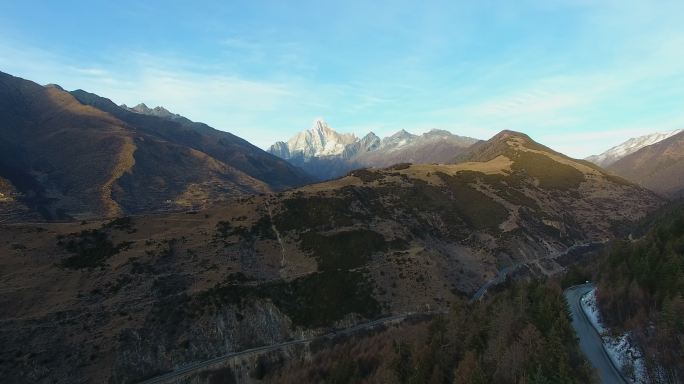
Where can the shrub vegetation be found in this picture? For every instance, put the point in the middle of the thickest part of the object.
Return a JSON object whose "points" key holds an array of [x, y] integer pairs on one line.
{"points": [[90, 248]]}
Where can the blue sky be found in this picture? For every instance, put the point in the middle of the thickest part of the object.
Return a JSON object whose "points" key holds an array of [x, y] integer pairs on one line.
{"points": [[579, 76]]}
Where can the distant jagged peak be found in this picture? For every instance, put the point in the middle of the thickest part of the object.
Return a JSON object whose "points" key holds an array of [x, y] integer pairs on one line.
{"points": [[161, 111], [142, 108], [401, 134], [319, 124], [398, 140], [438, 132], [158, 111], [368, 143], [280, 149], [370, 136], [319, 140]]}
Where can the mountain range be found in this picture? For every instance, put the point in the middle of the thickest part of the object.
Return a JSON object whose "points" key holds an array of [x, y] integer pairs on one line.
{"points": [[163, 291], [327, 154], [78, 155]]}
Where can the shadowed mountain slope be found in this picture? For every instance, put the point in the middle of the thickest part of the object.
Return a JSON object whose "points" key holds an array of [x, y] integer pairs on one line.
{"points": [[83, 156], [221, 145]]}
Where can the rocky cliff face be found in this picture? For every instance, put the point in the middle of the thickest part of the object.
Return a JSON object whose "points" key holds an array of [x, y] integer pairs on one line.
{"points": [[281, 150], [368, 143], [205, 337], [320, 140]]}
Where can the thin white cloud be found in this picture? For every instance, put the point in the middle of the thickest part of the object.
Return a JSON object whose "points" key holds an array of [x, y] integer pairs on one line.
{"points": [[243, 106], [284, 93]]}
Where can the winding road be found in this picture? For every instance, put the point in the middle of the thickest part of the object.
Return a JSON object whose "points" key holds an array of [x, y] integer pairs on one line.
{"points": [[589, 339]]}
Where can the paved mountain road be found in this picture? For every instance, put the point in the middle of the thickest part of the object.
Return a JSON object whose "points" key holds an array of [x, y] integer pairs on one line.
{"points": [[589, 340]]}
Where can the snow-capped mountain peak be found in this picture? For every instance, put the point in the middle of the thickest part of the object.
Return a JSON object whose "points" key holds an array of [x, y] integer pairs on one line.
{"points": [[327, 154], [398, 140], [628, 147], [319, 125], [319, 140]]}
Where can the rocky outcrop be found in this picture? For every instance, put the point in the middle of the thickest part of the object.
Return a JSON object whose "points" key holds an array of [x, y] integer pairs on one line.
{"points": [[175, 345], [319, 141]]}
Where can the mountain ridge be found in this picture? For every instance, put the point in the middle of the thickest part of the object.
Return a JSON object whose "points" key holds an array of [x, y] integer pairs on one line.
{"points": [[659, 166], [628, 147]]}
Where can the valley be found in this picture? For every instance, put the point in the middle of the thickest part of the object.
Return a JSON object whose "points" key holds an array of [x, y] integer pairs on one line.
{"points": [[165, 290]]}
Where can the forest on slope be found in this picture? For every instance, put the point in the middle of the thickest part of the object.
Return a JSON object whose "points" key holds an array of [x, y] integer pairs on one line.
{"points": [[641, 291], [521, 333]]}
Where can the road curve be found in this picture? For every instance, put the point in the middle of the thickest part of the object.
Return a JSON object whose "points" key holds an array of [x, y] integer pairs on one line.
{"points": [[500, 278], [589, 340]]}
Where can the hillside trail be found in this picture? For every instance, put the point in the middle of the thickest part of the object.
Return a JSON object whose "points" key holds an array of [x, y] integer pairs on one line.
{"points": [[283, 261]]}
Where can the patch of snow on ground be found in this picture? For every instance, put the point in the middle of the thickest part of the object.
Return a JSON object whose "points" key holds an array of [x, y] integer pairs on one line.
{"points": [[627, 356], [619, 349], [590, 308]]}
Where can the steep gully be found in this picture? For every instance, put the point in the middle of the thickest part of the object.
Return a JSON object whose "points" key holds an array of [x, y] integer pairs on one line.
{"points": [[277, 233]]}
